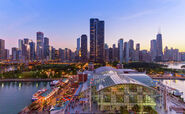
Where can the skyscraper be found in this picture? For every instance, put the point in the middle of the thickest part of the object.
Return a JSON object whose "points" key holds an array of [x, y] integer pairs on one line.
{"points": [[61, 54], [40, 44], [78, 44], [131, 49], [126, 52], [14, 53], [32, 50], [153, 49], [159, 47], [137, 51], [2, 49], [78, 54], [120, 48], [96, 40], [46, 48], [84, 48]]}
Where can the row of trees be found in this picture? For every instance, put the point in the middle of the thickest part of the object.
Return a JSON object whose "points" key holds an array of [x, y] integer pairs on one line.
{"points": [[42, 71]]}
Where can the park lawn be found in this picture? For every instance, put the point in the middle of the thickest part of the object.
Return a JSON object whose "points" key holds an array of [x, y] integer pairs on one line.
{"points": [[27, 74]]}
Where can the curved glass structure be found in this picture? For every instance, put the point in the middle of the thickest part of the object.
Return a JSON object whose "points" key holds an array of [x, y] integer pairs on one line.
{"points": [[112, 90]]}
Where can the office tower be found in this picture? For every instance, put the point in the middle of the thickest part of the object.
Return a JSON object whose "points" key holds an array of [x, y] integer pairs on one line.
{"points": [[153, 49], [26, 41], [84, 48], [136, 54], [32, 50], [2, 48], [14, 53], [115, 53], [57, 55], [131, 50], [26, 49], [46, 48], [40, 44], [126, 52], [176, 56], [120, 48], [159, 47], [6, 54], [78, 44], [145, 56], [182, 56], [78, 53], [20, 49], [96, 40], [61, 54], [20, 44], [137, 47], [111, 55], [67, 54], [106, 53], [53, 53]]}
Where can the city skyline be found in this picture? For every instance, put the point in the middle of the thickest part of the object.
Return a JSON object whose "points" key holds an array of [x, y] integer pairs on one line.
{"points": [[140, 21]]}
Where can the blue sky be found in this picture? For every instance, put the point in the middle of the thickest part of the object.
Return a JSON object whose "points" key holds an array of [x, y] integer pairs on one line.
{"points": [[63, 21]]}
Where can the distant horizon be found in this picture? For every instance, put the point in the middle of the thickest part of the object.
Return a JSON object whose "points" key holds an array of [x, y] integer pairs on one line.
{"points": [[65, 21]]}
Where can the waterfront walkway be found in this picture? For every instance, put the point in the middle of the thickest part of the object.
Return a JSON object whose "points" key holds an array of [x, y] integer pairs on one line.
{"points": [[28, 80]]}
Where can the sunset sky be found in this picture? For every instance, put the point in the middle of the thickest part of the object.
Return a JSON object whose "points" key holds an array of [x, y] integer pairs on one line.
{"points": [[63, 21]]}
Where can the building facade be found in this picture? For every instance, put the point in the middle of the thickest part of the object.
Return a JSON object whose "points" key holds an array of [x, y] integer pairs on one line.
{"points": [[96, 40]]}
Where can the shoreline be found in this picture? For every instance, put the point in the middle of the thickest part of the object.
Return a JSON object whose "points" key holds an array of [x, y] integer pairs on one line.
{"points": [[29, 80], [168, 78]]}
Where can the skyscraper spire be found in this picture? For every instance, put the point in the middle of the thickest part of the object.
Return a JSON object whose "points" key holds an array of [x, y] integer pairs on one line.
{"points": [[159, 30]]}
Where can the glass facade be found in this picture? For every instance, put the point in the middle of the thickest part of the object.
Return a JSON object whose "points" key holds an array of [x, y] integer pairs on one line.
{"points": [[126, 95]]}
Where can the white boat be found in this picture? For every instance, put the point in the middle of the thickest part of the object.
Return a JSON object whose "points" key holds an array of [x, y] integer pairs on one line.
{"points": [[37, 94]]}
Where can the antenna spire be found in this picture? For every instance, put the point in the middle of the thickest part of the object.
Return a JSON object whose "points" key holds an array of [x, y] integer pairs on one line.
{"points": [[159, 30]]}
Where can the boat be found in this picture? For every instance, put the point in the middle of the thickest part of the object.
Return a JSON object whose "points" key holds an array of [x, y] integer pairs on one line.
{"points": [[37, 94], [177, 93], [53, 83]]}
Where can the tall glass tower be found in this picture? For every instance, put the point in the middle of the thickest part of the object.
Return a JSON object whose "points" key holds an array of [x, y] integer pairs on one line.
{"points": [[96, 40]]}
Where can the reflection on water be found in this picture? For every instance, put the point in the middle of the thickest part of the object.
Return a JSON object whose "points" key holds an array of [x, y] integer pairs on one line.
{"points": [[175, 65], [177, 84], [14, 96]]}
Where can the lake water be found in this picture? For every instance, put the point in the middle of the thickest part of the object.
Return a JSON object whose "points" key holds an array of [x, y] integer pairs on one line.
{"points": [[14, 96], [175, 65], [177, 84]]}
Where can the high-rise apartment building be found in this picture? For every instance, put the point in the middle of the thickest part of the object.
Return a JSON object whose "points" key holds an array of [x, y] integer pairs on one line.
{"points": [[2, 49], [14, 53], [40, 45], [46, 48], [84, 57], [153, 49], [126, 52], [96, 40], [78, 52], [120, 48], [131, 50], [32, 50]]}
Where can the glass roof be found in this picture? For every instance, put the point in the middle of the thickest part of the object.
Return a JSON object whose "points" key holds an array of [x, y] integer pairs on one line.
{"points": [[143, 78], [108, 76]]}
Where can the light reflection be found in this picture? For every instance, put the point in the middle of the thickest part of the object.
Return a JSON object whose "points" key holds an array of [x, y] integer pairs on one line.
{"points": [[20, 84], [2, 85], [37, 85]]}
